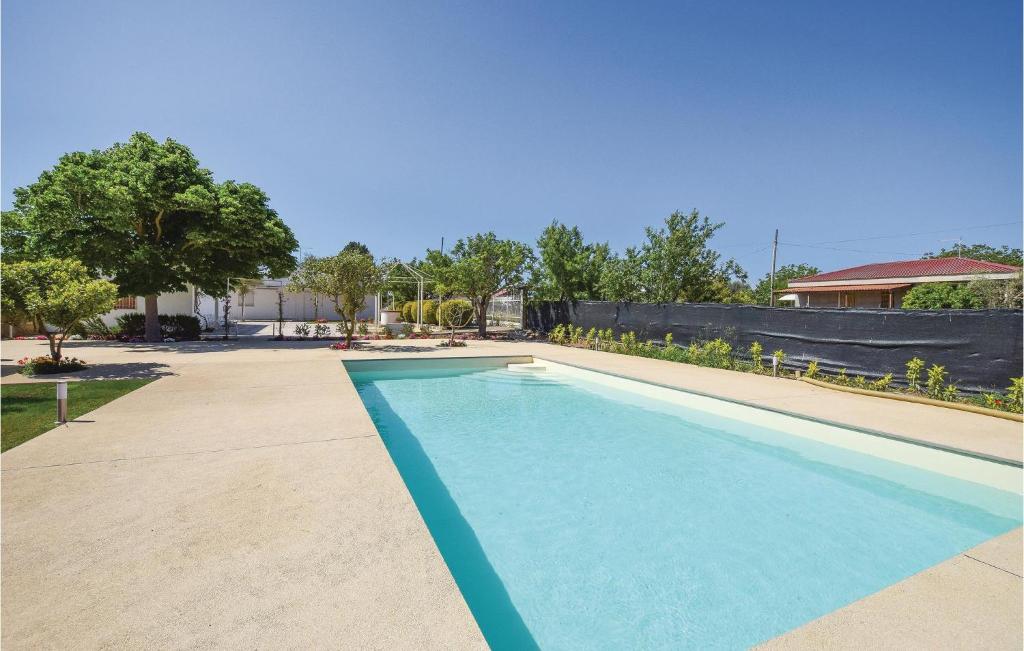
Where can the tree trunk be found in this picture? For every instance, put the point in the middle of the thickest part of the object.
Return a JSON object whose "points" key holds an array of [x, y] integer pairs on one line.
{"points": [[350, 326], [481, 319], [152, 319], [54, 348]]}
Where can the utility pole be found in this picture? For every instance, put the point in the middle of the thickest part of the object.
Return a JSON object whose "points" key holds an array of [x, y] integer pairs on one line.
{"points": [[771, 284]]}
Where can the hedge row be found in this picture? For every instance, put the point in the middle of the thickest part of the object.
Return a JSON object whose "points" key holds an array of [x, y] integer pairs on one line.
{"points": [[176, 326]]}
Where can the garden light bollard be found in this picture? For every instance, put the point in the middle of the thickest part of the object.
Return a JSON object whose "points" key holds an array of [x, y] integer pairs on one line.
{"points": [[775, 366], [62, 402]]}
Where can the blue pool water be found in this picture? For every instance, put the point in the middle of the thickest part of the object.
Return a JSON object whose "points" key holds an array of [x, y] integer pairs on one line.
{"points": [[576, 516]]}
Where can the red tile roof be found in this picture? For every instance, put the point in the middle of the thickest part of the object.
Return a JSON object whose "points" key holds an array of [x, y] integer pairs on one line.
{"points": [[842, 288], [911, 269]]}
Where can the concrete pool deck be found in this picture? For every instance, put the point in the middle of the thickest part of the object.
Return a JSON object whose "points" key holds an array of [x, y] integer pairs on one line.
{"points": [[245, 499]]}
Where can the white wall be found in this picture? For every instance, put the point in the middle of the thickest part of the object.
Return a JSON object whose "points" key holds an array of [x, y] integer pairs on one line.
{"points": [[170, 303], [298, 306]]}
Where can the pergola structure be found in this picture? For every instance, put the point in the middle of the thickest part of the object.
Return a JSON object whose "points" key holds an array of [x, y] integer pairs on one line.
{"points": [[401, 272]]}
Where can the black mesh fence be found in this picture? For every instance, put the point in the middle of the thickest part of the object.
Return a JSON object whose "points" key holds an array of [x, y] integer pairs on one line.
{"points": [[981, 349]]}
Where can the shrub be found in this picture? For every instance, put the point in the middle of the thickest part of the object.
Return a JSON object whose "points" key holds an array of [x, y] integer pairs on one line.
{"points": [[44, 365], [430, 312], [1013, 394], [361, 328], [627, 342], [407, 329], [132, 324], [841, 378], [176, 326], [882, 383], [557, 334], [937, 296], [859, 381], [716, 354], [591, 337], [181, 326], [576, 335], [668, 340], [456, 313], [936, 380], [914, 368], [812, 370], [409, 312], [302, 329], [756, 350], [94, 326], [779, 358], [321, 329], [950, 393]]}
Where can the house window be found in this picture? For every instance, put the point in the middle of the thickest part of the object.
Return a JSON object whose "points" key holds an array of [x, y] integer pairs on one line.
{"points": [[125, 303]]}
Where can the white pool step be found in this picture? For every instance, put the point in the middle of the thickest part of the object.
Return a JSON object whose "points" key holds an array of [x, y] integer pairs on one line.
{"points": [[531, 367]]}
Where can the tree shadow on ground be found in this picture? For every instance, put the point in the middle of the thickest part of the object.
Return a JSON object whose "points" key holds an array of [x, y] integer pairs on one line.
{"points": [[125, 371], [394, 348], [202, 346]]}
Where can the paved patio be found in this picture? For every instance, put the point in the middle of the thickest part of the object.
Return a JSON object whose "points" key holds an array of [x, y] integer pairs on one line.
{"points": [[245, 499]]}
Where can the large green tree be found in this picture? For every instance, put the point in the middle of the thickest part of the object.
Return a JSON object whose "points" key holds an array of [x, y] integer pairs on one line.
{"points": [[56, 294], [785, 273], [568, 268], [147, 216], [1002, 255], [675, 263], [478, 267], [621, 277]]}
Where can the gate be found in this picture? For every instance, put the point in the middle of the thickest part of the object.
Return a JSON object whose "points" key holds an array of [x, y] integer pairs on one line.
{"points": [[506, 309]]}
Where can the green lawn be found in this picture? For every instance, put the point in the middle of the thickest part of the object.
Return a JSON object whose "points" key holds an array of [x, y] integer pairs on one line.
{"points": [[28, 410]]}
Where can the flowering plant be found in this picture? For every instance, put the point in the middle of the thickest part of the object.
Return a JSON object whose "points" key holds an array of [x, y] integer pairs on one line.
{"points": [[45, 364], [339, 345]]}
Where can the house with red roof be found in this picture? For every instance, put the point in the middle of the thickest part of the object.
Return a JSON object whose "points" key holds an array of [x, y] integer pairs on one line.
{"points": [[884, 284]]}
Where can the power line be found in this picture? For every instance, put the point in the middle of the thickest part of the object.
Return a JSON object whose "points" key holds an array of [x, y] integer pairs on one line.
{"points": [[835, 248], [943, 230]]}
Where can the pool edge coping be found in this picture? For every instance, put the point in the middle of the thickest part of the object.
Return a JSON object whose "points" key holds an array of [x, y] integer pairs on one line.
{"points": [[814, 419]]}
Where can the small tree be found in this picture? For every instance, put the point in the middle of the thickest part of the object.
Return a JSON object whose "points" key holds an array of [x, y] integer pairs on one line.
{"points": [[245, 287], [280, 315], [57, 294], [479, 267], [454, 314], [348, 278], [309, 277]]}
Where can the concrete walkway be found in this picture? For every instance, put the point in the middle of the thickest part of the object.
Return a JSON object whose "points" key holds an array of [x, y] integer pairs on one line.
{"points": [[245, 499]]}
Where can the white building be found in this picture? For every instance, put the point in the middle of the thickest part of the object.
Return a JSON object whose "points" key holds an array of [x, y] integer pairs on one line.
{"points": [[259, 304]]}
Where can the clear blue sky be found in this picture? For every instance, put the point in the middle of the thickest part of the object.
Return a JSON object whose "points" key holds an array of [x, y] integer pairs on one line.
{"points": [[395, 123]]}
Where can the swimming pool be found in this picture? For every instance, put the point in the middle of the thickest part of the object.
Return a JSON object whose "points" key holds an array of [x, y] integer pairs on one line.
{"points": [[577, 510]]}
